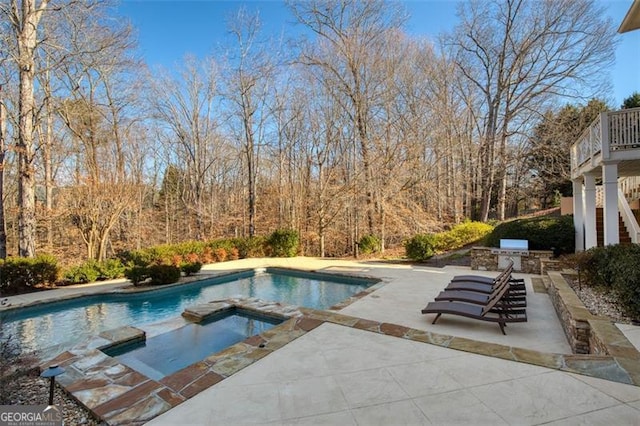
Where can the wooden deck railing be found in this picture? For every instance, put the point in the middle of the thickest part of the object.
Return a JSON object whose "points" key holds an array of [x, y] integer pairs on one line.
{"points": [[624, 129], [611, 131]]}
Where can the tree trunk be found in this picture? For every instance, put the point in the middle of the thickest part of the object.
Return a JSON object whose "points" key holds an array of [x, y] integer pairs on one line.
{"points": [[486, 179], [366, 161], [46, 159], [252, 187], [27, 38], [487, 157], [3, 136], [26, 171]]}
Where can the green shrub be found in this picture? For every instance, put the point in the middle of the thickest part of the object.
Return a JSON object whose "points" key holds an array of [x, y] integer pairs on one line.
{"points": [[370, 244], [85, 273], [92, 270], [136, 274], [462, 234], [163, 274], [284, 243], [625, 268], [110, 269], [424, 246], [135, 257], [250, 247], [162, 254], [543, 233], [614, 269], [189, 247], [15, 275], [194, 251], [19, 274], [224, 243], [594, 265], [223, 249], [45, 269], [420, 247], [191, 268]]}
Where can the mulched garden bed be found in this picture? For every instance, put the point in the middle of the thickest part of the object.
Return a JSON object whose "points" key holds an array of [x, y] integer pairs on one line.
{"points": [[597, 302], [31, 389]]}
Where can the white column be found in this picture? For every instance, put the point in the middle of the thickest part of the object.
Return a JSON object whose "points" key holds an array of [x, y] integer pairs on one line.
{"points": [[590, 232], [578, 213], [610, 185]]}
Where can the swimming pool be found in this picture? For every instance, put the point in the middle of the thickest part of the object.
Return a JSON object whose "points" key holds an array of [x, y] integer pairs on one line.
{"points": [[165, 354], [66, 323]]}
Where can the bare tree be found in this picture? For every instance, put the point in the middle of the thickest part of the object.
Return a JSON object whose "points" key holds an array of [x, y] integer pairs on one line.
{"points": [[25, 39], [99, 113], [326, 155], [3, 148], [545, 156], [248, 84], [350, 34], [519, 54], [24, 18], [186, 108]]}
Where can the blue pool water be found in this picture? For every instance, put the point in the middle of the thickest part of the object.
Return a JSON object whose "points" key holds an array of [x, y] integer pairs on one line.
{"points": [[66, 323], [164, 354]]}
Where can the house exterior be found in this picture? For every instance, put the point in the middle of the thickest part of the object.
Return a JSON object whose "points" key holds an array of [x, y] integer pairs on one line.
{"points": [[605, 170], [632, 20]]}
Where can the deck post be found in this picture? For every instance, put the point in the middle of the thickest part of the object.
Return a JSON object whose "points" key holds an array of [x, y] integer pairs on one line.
{"points": [[578, 213], [610, 185], [604, 135], [590, 231]]}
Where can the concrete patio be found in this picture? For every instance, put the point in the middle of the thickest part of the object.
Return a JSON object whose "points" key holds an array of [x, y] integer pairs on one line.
{"points": [[340, 373]]}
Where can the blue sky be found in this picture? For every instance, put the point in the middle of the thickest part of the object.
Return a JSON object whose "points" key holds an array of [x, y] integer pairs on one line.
{"points": [[169, 29]]}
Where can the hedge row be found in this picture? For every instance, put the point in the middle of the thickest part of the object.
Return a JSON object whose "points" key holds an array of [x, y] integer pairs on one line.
{"points": [[20, 275], [543, 233], [424, 246], [159, 264]]}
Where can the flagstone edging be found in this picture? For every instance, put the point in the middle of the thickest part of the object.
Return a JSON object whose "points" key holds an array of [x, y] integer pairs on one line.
{"points": [[119, 395]]}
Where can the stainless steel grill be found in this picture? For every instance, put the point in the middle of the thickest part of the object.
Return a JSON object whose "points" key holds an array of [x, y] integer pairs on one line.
{"points": [[511, 250]]}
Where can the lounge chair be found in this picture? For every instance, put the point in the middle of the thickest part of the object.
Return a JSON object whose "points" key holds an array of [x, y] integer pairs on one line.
{"points": [[488, 280], [514, 297], [515, 286], [486, 284], [476, 298], [499, 307]]}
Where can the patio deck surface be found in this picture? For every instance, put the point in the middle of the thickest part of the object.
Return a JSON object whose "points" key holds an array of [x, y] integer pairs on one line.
{"points": [[340, 375], [337, 374]]}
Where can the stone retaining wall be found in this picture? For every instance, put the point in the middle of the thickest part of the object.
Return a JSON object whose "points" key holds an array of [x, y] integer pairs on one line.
{"points": [[574, 317], [587, 333], [483, 259]]}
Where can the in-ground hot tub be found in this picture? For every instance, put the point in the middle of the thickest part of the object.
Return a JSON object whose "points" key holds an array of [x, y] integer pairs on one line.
{"points": [[169, 352]]}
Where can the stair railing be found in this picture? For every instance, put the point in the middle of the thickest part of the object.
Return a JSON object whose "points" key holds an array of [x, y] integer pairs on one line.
{"points": [[628, 218], [630, 187]]}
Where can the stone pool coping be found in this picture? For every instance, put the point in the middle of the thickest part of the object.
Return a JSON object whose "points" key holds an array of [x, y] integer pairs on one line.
{"points": [[119, 395]]}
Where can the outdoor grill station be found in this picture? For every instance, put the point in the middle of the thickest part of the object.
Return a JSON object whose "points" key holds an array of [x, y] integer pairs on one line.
{"points": [[511, 250]]}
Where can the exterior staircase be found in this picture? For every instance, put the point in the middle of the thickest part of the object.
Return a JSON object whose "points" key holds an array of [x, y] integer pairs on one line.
{"points": [[608, 151], [624, 236]]}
